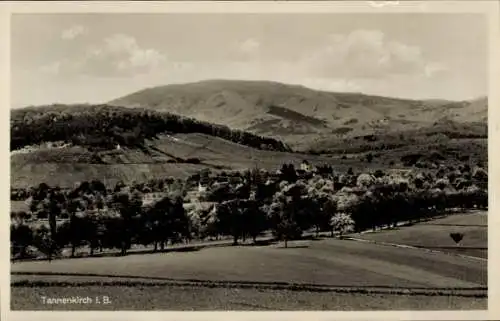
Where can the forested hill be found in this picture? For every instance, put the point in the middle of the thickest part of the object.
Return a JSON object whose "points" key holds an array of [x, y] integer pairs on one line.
{"points": [[104, 126]]}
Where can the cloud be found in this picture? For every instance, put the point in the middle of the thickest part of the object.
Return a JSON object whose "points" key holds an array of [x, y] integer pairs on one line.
{"points": [[116, 56], [331, 84], [250, 46], [52, 68], [434, 68], [73, 32], [245, 49], [367, 54], [380, 4]]}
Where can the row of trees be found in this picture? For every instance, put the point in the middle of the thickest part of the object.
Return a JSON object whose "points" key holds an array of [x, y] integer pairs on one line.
{"points": [[105, 126], [286, 204], [115, 221]]}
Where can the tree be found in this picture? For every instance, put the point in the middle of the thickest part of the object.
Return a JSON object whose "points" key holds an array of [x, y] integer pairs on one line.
{"points": [[288, 173], [98, 186], [378, 173], [179, 221], [288, 212], [341, 223], [44, 242], [365, 180], [457, 237], [209, 222], [480, 176], [321, 203], [165, 220], [129, 207], [230, 219], [48, 202], [361, 208], [156, 226], [21, 235], [73, 228], [255, 218]]}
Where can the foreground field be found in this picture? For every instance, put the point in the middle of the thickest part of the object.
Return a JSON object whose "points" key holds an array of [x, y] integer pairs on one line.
{"points": [[435, 234], [329, 262], [352, 275], [196, 298]]}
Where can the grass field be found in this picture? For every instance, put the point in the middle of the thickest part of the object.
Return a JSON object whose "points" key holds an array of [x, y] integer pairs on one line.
{"points": [[435, 234], [328, 262], [196, 298], [350, 274]]}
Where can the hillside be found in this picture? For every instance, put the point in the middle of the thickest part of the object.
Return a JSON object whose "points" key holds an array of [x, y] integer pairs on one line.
{"points": [[176, 155], [62, 145], [105, 127], [296, 113], [178, 130]]}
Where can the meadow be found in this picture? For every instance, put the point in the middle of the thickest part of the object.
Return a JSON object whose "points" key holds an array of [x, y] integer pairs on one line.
{"points": [[309, 274], [434, 234]]}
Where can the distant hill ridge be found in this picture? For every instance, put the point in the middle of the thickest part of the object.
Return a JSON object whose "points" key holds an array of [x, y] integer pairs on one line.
{"points": [[286, 111]]}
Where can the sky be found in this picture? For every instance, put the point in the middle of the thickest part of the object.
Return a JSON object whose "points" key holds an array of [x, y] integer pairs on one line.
{"points": [[94, 58]]}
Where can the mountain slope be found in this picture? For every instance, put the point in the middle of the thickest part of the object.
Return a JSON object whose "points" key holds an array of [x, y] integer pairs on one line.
{"points": [[104, 126], [176, 155], [291, 112], [61, 145]]}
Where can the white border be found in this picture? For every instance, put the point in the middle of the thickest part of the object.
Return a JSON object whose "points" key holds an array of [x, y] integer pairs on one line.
{"points": [[489, 8]]}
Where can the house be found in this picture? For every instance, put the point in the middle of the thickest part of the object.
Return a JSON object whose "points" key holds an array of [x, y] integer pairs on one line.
{"points": [[305, 166], [150, 198], [201, 187]]}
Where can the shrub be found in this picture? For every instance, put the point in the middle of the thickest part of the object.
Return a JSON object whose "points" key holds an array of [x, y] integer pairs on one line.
{"points": [[457, 237], [365, 180], [193, 160], [378, 173]]}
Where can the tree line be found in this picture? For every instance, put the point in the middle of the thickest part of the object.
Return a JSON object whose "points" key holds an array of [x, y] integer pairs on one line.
{"points": [[104, 126], [286, 203]]}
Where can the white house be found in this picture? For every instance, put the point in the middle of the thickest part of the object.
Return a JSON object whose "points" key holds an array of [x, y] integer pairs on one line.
{"points": [[305, 166], [201, 187]]}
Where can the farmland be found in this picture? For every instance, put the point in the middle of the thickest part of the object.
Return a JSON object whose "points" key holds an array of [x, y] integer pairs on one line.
{"points": [[289, 272], [434, 234], [305, 275], [127, 202]]}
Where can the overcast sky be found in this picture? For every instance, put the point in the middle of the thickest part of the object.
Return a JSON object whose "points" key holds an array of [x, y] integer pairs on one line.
{"points": [[98, 57]]}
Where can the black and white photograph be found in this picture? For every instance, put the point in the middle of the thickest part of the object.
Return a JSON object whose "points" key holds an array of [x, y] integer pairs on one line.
{"points": [[249, 160]]}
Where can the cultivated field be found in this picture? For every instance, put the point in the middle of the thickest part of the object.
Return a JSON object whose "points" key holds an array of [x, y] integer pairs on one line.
{"points": [[435, 234], [129, 165], [323, 274]]}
